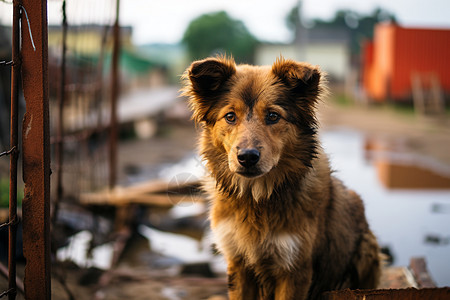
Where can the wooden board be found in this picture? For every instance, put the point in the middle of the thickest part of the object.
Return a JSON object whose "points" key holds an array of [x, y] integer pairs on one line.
{"points": [[152, 193], [410, 294]]}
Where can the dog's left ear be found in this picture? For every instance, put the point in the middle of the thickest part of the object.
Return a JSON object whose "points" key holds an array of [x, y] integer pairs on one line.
{"points": [[302, 79]]}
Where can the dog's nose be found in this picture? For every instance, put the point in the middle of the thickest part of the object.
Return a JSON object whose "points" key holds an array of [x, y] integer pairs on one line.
{"points": [[248, 157]]}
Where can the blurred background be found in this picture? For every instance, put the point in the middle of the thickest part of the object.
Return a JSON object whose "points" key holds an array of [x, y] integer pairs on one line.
{"points": [[129, 218]]}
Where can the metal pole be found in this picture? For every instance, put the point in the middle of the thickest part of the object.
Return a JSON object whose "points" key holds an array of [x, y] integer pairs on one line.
{"points": [[15, 79], [59, 153], [114, 97], [36, 152]]}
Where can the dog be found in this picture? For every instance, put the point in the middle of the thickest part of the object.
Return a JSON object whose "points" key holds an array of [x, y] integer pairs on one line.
{"points": [[288, 229]]}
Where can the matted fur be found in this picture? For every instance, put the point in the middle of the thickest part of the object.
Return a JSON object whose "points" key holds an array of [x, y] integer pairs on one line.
{"points": [[288, 229]]}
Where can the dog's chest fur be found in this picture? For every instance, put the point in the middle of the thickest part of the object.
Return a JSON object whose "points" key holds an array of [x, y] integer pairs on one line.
{"points": [[236, 239]]}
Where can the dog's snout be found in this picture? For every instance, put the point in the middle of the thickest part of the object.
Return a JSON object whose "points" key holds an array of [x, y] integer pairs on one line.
{"points": [[248, 157]]}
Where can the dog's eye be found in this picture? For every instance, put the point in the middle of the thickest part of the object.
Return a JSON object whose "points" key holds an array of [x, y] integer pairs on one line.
{"points": [[230, 118], [272, 118]]}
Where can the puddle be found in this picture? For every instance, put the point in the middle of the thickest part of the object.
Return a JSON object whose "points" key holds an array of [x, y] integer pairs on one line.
{"points": [[172, 294], [183, 249], [402, 219], [78, 251], [397, 168]]}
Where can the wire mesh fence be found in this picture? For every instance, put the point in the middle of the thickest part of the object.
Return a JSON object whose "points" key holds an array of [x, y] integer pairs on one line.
{"points": [[80, 50]]}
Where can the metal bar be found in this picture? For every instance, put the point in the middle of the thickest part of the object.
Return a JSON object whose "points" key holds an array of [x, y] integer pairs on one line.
{"points": [[15, 78], [59, 153], [36, 153], [114, 97]]}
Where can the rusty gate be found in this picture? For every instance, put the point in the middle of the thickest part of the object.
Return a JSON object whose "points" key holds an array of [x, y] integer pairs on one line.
{"points": [[30, 69]]}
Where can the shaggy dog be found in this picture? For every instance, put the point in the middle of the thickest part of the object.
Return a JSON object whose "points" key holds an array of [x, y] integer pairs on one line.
{"points": [[286, 226]]}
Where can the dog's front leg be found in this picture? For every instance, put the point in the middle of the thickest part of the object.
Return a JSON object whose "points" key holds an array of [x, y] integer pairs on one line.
{"points": [[293, 286], [242, 284]]}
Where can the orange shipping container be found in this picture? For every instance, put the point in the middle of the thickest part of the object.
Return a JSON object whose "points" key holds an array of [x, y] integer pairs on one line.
{"points": [[397, 53]]}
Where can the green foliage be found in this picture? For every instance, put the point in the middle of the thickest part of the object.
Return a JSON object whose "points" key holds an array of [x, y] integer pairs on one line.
{"points": [[344, 100], [218, 33], [4, 193]]}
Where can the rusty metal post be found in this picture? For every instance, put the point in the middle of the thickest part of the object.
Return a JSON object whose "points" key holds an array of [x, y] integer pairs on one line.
{"points": [[114, 98], [59, 153], [15, 78], [36, 152]]}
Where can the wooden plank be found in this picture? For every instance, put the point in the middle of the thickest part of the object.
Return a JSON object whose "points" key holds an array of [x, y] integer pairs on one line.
{"points": [[159, 186], [152, 193], [410, 294], [112, 199], [396, 277], [420, 272]]}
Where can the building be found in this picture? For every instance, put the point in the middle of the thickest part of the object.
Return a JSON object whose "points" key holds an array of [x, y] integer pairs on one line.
{"points": [[327, 48], [399, 56]]}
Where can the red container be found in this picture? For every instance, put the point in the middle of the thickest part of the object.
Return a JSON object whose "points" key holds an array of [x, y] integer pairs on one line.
{"points": [[397, 54]]}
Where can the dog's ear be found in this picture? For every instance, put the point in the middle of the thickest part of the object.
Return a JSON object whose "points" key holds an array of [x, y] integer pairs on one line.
{"points": [[301, 79], [205, 81], [207, 76]]}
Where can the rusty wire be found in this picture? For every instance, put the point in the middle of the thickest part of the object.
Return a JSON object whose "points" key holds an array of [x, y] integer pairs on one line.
{"points": [[7, 292], [6, 63], [12, 222], [22, 8], [10, 151]]}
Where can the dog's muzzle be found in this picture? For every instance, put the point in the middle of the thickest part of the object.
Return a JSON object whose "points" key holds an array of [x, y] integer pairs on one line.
{"points": [[248, 157]]}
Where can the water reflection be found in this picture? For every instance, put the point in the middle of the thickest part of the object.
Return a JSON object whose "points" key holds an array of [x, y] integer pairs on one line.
{"points": [[404, 220]]}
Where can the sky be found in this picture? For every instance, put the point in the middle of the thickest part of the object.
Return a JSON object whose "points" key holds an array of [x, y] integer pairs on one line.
{"points": [[164, 21]]}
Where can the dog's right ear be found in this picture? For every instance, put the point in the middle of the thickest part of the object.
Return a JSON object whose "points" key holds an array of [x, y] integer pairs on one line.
{"points": [[205, 81], [207, 76]]}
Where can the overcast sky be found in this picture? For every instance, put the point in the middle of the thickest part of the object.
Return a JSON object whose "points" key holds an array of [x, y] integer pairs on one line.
{"points": [[164, 21]]}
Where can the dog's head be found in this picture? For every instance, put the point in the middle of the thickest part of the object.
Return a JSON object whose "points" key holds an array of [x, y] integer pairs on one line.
{"points": [[257, 119]]}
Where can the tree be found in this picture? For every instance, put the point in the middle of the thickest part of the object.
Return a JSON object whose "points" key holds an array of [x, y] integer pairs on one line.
{"points": [[218, 33]]}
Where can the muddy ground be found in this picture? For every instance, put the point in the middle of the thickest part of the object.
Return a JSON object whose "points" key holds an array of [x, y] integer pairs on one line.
{"points": [[401, 131]]}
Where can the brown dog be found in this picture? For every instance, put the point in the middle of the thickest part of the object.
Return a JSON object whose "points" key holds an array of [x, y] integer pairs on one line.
{"points": [[288, 229]]}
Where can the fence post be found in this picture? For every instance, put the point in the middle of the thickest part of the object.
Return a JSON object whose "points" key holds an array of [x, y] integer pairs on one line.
{"points": [[114, 98], [15, 78], [36, 151], [59, 146]]}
